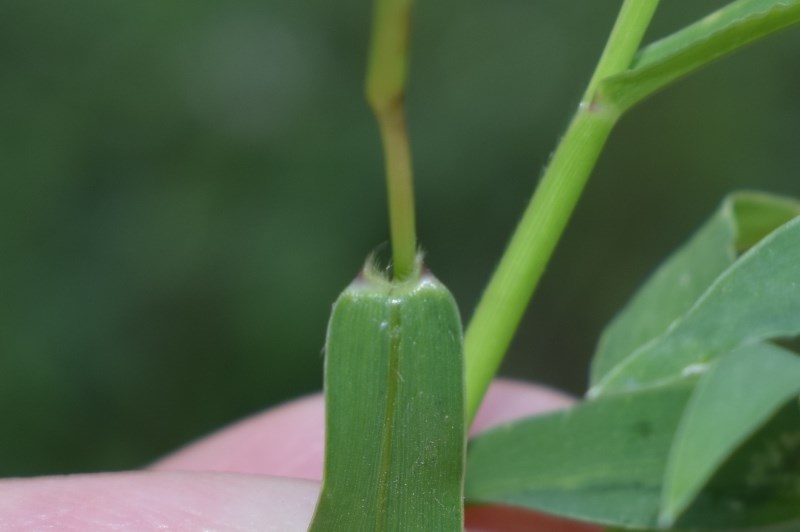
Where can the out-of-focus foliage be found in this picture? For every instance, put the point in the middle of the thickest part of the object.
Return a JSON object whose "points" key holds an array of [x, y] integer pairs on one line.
{"points": [[185, 187]]}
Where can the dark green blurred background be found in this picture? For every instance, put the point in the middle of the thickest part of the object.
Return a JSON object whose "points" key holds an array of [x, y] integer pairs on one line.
{"points": [[186, 187]]}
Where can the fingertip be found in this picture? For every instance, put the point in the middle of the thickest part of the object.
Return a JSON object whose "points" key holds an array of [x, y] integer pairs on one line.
{"points": [[286, 441]]}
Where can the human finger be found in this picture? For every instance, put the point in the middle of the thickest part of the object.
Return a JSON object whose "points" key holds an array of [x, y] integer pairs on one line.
{"points": [[133, 502]]}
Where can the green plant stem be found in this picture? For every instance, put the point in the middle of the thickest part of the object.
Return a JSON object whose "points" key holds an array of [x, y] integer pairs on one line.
{"points": [[623, 43], [400, 183], [730, 28], [503, 303], [386, 81]]}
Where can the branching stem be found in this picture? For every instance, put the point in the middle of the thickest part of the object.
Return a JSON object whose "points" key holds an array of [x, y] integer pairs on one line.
{"points": [[503, 303]]}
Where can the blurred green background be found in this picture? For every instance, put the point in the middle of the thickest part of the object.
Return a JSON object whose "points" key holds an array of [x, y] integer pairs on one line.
{"points": [[186, 186]]}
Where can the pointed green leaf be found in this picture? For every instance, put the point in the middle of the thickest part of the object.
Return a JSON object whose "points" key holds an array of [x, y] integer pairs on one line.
{"points": [[602, 461], [590, 463], [758, 488], [741, 392], [395, 420], [741, 221], [670, 292], [734, 26], [756, 298]]}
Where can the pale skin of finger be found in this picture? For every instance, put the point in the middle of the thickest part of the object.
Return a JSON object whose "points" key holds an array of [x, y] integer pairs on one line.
{"points": [[145, 501], [247, 477]]}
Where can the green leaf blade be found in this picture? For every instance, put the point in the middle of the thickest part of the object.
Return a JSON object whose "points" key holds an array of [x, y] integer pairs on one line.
{"points": [[602, 461], [757, 298], [742, 220], [734, 399], [720, 33], [395, 436], [758, 488], [669, 292], [606, 460]]}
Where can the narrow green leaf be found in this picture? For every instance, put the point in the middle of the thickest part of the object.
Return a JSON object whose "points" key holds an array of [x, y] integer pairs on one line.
{"points": [[602, 461], [758, 488], [756, 298], [659, 64], [741, 392], [395, 429], [741, 221], [669, 292]]}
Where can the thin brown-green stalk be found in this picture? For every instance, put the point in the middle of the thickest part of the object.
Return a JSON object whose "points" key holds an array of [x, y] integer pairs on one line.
{"points": [[386, 84]]}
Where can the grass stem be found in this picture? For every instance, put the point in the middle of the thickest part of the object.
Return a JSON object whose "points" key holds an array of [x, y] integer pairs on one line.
{"points": [[386, 84], [511, 287]]}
